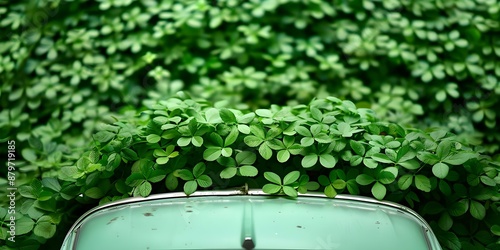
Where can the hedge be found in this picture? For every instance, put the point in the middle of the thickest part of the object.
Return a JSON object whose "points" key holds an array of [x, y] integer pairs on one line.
{"points": [[65, 66], [68, 66], [329, 145]]}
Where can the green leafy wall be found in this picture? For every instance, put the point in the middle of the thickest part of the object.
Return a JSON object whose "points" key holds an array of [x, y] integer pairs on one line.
{"points": [[414, 62], [68, 67]]}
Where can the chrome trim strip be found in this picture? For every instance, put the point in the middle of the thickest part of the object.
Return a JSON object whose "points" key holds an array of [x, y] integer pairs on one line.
{"points": [[426, 236], [252, 192]]}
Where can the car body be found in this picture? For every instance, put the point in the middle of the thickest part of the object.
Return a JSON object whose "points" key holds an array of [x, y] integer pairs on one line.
{"points": [[250, 220]]}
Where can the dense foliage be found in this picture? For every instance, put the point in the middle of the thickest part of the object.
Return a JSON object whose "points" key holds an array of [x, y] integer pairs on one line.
{"points": [[329, 145], [68, 66]]}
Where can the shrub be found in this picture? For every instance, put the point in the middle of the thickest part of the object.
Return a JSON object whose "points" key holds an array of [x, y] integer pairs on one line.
{"points": [[329, 145], [66, 66]]}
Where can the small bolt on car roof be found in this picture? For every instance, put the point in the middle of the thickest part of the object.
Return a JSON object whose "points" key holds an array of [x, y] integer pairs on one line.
{"points": [[250, 220]]}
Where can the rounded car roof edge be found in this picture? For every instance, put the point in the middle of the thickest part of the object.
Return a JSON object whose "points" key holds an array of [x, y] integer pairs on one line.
{"points": [[251, 192]]}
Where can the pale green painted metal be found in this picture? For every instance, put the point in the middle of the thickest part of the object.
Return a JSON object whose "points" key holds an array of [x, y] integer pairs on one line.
{"points": [[224, 220]]}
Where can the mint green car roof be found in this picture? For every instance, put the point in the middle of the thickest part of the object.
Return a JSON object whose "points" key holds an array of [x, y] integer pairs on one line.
{"points": [[230, 220]]}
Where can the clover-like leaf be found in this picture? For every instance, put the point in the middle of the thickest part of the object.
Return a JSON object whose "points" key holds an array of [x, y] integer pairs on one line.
{"points": [[272, 177], [291, 177], [249, 171], [440, 170], [271, 188]]}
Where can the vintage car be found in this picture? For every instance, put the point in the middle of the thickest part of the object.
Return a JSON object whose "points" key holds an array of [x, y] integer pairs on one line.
{"points": [[250, 220]]}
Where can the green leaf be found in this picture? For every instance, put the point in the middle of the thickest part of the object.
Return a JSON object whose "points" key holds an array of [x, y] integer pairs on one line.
{"points": [[283, 156], [387, 175], [345, 129], [103, 136], [264, 112], [253, 141], [379, 191], [184, 174], [228, 172], [330, 191], [323, 180], [443, 149], [231, 138], [352, 187], [303, 131], [212, 116], [129, 154], [190, 187], [133, 180], [458, 208], [226, 152], [249, 171], [272, 177], [306, 141], [204, 181], [477, 210], [94, 193], [291, 177], [272, 133], [445, 221], [381, 158], [29, 154], [423, 183], [410, 165], [370, 163], [258, 132], [440, 170], [316, 129], [171, 182], [44, 229], [247, 118], [364, 179], [487, 181], [153, 138], [211, 154], [24, 225], [290, 191], [51, 183], [271, 188], [316, 114], [246, 158], [265, 151], [244, 129], [339, 184], [216, 139], [428, 158], [327, 160], [495, 229], [459, 158], [309, 160], [158, 152], [144, 189], [312, 185], [35, 143], [199, 169], [405, 181], [227, 116], [183, 141], [197, 141], [449, 240], [444, 187], [357, 147], [162, 160]]}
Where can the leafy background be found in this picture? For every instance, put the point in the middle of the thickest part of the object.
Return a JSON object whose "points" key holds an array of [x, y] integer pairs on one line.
{"points": [[77, 77]]}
